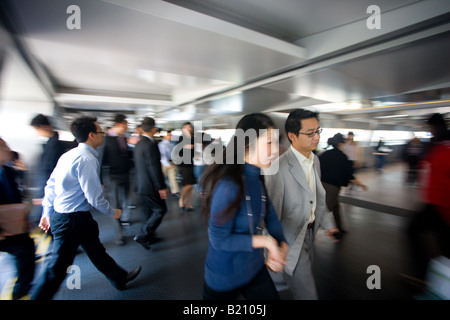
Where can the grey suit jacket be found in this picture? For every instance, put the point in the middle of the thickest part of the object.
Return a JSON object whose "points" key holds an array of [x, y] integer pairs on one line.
{"points": [[293, 200]]}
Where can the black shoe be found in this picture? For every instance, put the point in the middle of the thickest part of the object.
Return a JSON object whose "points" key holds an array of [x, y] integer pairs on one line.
{"points": [[20, 295], [154, 240], [129, 277], [142, 242]]}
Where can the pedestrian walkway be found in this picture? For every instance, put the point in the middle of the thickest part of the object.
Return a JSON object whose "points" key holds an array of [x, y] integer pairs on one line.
{"points": [[173, 268], [388, 191]]}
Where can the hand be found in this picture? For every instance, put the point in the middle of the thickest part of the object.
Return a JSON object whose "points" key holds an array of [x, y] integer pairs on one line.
{"points": [[117, 214], [164, 193], [365, 188], [44, 224], [275, 265], [331, 233], [36, 201], [276, 255], [284, 248]]}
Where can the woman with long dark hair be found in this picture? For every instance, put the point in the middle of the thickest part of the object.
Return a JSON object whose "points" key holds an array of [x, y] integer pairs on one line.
{"points": [[236, 204]]}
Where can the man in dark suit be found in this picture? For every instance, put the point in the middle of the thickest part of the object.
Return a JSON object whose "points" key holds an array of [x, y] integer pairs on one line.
{"points": [[151, 188], [51, 151], [117, 157]]}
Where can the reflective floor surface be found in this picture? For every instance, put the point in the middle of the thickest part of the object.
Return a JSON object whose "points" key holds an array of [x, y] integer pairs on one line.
{"points": [[173, 268]]}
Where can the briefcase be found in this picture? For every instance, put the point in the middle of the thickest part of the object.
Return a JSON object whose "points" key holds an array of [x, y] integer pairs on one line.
{"points": [[14, 218]]}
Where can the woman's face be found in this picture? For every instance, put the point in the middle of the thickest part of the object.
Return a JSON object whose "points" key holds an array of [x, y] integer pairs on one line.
{"points": [[188, 130], [264, 150]]}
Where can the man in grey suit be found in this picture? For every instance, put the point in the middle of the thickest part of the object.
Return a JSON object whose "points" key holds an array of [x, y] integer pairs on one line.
{"points": [[299, 199]]}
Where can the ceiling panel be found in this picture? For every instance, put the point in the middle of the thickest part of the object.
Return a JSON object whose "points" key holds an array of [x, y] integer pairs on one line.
{"points": [[414, 67], [182, 60], [289, 20], [126, 50]]}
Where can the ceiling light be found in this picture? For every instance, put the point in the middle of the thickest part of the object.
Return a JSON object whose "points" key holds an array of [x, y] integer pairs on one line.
{"points": [[69, 97], [392, 116]]}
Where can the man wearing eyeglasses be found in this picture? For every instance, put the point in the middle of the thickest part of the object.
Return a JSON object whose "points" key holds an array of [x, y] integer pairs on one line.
{"points": [[299, 199], [72, 190]]}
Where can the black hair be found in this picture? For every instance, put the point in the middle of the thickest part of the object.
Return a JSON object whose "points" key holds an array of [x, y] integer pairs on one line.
{"points": [[232, 167], [439, 127], [335, 140], [148, 124], [294, 120], [40, 120], [82, 126], [119, 118]]}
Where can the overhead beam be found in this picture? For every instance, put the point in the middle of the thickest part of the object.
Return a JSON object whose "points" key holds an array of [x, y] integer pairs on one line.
{"points": [[198, 20], [400, 20]]}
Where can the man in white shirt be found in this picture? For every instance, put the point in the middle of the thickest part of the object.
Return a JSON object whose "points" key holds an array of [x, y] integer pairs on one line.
{"points": [[72, 190], [299, 199]]}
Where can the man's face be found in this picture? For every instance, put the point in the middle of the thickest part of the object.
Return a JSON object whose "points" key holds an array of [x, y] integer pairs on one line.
{"points": [[302, 142], [122, 127], [98, 136]]}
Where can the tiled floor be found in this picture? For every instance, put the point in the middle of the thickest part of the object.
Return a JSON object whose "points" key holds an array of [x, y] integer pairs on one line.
{"points": [[173, 268]]}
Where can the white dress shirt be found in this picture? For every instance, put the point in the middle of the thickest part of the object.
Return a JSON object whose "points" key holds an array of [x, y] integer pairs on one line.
{"points": [[74, 184], [307, 165]]}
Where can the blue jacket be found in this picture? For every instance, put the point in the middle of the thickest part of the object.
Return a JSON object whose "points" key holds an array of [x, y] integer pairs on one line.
{"points": [[231, 261]]}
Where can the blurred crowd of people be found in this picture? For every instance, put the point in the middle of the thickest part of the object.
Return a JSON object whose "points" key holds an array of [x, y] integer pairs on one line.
{"points": [[257, 222]]}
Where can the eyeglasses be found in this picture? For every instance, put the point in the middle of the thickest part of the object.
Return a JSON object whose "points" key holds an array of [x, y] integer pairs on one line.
{"points": [[312, 134], [100, 132]]}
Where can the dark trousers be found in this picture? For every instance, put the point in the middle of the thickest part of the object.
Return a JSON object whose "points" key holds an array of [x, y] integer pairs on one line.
{"points": [[120, 192], [153, 209], [429, 237], [71, 230], [332, 200], [120, 197], [413, 170], [21, 246], [260, 288]]}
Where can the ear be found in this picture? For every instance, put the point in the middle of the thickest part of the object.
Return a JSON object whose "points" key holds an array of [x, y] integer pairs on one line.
{"points": [[291, 136]]}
